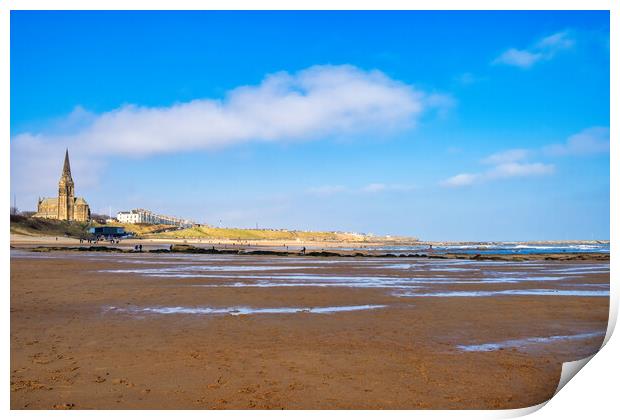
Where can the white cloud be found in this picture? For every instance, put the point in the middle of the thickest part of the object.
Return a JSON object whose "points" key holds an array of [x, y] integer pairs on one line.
{"points": [[544, 49], [518, 58], [372, 188], [514, 169], [378, 187], [460, 180], [506, 164], [557, 41], [511, 155], [314, 103], [503, 170], [509, 163], [36, 166], [593, 140]]}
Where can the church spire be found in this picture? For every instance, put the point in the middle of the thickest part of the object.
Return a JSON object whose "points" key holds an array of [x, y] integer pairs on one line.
{"points": [[66, 169]]}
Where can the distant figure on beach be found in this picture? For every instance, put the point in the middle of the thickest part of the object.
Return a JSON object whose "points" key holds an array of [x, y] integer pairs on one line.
{"points": [[303, 250], [170, 247], [140, 247]]}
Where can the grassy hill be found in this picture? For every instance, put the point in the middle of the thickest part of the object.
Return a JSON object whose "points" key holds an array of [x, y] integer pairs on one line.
{"points": [[47, 227], [208, 232], [33, 226], [140, 229]]}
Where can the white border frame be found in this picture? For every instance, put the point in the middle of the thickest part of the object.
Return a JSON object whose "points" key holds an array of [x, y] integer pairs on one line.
{"points": [[593, 394]]}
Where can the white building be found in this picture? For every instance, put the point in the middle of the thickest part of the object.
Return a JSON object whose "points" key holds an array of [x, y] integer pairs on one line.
{"points": [[148, 217]]}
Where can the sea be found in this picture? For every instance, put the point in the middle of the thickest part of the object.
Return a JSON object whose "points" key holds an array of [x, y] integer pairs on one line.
{"points": [[508, 248]]}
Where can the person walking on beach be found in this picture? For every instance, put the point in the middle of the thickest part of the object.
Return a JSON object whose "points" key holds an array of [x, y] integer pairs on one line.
{"points": [[303, 250]]}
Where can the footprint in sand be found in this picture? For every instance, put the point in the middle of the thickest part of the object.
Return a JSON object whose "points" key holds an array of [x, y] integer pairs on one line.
{"points": [[65, 406], [123, 381]]}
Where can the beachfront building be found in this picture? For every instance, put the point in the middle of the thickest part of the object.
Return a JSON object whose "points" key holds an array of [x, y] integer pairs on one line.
{"points": [[150, 218], [66, 206], [107, 231]]}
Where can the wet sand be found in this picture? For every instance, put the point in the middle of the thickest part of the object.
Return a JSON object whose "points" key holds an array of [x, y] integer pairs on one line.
{"points": [[366, 245], [183, 331]]}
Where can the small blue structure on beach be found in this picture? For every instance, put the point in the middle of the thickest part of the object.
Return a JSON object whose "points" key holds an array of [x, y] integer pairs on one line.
{"points": [[107, 231]]}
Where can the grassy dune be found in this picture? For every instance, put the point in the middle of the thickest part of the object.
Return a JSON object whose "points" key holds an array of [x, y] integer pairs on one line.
{"points": [[32, 226], [46, 227], [207, 232], [140, 229]]}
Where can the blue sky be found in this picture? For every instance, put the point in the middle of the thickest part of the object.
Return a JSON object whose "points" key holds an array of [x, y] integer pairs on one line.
{"points": [[440, 125]]}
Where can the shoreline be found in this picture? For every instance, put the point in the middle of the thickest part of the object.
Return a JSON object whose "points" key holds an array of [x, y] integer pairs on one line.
{"points": [[358, 253]]}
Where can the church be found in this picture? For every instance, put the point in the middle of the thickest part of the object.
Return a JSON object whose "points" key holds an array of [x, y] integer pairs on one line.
{"points": [[66, 206]]}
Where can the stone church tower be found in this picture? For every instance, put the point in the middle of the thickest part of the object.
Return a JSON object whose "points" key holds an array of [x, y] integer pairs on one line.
{"points": [[66, 192], [66, 206]]}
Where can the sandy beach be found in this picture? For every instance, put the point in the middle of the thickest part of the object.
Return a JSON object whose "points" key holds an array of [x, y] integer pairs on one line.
{"points": [[176, 331], [27, 240]]}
